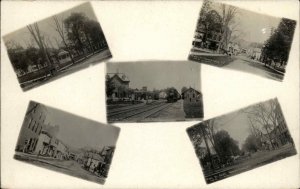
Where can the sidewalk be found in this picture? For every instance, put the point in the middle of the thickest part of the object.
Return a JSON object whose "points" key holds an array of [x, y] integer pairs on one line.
{"points": [[263, 64]]}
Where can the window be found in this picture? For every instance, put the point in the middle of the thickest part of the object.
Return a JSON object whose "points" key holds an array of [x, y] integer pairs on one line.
{"points": [[29, 123], [33, 126], [194, 95], [37, 128]]}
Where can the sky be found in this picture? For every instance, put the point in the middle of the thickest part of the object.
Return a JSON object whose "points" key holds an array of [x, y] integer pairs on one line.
{"points": [[77, 132], [159, 74], [237, 123], [47, 26], [256, 27]]}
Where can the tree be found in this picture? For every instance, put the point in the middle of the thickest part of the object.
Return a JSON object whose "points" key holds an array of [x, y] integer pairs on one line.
{"points": [[183, 89], [211, 22], [94, 32], [39, 39], [225, 145], [279, 44], [60, 30], [110, 87], [228, 15], [265, 115], [252, 144], [75, 29]]}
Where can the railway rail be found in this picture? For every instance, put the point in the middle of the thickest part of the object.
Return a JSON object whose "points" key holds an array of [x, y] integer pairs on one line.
{"points": [[137, 112]]}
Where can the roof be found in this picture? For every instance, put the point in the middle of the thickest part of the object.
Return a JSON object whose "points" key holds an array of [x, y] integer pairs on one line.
{"points": [[95, 156], [62, 52], [121, 76], [191, 89]]}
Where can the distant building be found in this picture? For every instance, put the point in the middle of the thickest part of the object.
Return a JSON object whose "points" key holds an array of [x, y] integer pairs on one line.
{"points": [[33, 124], [191, 95], [211, 39], [144, 88], [50, 146], [121, 84], [278, 136], [63, 56], [192, 103], [93, 161]]}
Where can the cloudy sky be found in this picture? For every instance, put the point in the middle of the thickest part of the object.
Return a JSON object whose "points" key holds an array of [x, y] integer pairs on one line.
{"points": [[47, 26], [78, 132], [159, 74]]}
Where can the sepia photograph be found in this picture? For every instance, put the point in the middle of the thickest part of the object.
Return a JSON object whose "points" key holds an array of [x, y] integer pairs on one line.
{"points": [[153, 91], [230, 37], [66, 143], [55, 46], [242, 140]]}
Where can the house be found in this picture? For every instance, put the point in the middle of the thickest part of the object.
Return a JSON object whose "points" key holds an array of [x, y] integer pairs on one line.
{"points": [[120, 82], [93, 161], [33, 124], [63, 56], [212, 38], [43, 144], [192, 103], [51, 147], [191, 95]]}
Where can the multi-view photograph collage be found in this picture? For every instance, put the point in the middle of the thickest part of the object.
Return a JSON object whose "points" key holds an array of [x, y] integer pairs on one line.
{"points": [[145, 91]]}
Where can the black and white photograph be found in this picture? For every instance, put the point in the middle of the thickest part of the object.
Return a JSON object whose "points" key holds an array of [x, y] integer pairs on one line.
{"points": [[57, 45], [230, 37], [66, 143], [153, 91], [242, 140]]}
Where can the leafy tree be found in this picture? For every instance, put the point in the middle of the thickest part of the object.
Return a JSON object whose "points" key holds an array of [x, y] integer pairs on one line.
{"points": [[183, 89], [279, 44], [75, 29], [94, 32], [225, 145], [110, 87], [252, 144]]}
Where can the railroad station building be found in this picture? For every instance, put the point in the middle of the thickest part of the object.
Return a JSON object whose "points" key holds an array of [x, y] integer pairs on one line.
{"points": [[121, 84], [191, 95]]}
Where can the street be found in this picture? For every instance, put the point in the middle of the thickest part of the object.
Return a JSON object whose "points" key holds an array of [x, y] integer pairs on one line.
{"points": [[247, 65], [69, 167], [240, 63], [257, 159]]}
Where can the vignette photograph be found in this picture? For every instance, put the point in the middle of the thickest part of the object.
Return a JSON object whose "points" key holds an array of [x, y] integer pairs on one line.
{"points": [[242, 140], [66, 143], [153, 91], [233, 38], [56, 46]]}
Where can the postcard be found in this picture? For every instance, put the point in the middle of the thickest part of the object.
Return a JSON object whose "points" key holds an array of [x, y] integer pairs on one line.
{"points": [[233, 38], [242, 140], [153, 91], [66, 143], [56, 46]]}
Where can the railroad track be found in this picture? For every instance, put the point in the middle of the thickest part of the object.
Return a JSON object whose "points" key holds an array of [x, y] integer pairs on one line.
{"points": [[131, 107], [137, 113]]}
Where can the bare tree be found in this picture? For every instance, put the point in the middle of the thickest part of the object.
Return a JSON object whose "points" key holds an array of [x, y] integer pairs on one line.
{"points": [[265, 115], [60, 29], [228, 15], [37, 36]]}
